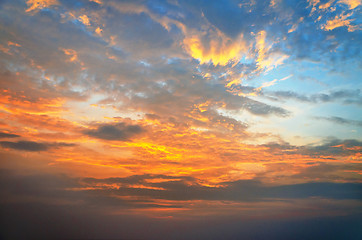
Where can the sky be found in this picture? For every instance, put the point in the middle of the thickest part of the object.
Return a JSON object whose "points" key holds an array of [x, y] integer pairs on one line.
{"points": [[180, 119]]}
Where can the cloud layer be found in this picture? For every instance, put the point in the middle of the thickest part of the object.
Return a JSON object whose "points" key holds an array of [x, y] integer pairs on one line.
{"points": [[136, 113]]}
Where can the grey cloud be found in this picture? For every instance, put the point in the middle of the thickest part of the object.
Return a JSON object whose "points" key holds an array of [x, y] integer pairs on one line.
{"points": [[187, 88], [8, 135], [32, 146], [349, 96], [25, 146], [287, 95], [331, 171], [117, 131], [335, 147], [346, 96], [341, 120], [243, 190], [46, 207], [259, 108], [74, 222], [61, 144]]}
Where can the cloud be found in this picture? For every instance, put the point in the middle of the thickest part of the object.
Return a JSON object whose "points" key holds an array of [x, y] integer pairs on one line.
{"points": [[346, 96], [352, 4], [25, 146], [335, 147], [340, 120], [341, 18], [35, 5], [32, 146], [86, 215], [340, 21], [184, 189], [267, 60], [183, 72], [73, 54], [329, 147], [8, 135], [331, 171], [214, 47], [271, 83], [115, 132], [259, 108]]}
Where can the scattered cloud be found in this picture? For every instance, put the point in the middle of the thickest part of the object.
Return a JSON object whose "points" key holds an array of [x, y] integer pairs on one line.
{"points": [[352, 4], [340, 21]]}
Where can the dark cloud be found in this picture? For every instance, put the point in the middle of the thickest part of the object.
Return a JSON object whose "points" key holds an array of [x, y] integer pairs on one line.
{"points": [[243, 190], [8, 135], [33, 146], [331, 171], [45, 221], [25, 146], [117, 131], [96, 192], [52, 207], [334, 147], [331, 148]]}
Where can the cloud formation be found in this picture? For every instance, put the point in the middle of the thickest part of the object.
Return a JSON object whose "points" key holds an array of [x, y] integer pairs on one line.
{"points": [[118, 131], [32, 146], [340, 120], [25, 146], [241, 112]]}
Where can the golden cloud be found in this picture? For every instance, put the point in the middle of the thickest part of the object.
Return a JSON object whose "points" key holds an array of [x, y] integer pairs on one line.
{"points": [[40, 4], [215, 47]]}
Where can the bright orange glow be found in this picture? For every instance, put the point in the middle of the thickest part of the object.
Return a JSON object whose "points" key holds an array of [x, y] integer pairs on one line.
{"points": [[219, 49]]}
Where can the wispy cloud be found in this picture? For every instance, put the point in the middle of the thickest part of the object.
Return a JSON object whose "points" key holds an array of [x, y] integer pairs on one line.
{"points": [[340, 120]]}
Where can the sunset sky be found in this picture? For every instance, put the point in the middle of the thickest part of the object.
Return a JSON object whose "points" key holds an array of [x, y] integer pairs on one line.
{"points": [[181, 119]]}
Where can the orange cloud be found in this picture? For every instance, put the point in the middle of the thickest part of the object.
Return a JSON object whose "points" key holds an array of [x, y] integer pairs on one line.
{"points": [[84, 19], [215, 47], [265, 60], [72, 53], [9, 49], [271, 83], [352, 4], [326, 5], [97, 1], [340, 21], [99, 31], [18, 102], [313, 4], [34, 5]]}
